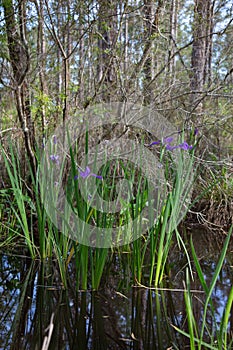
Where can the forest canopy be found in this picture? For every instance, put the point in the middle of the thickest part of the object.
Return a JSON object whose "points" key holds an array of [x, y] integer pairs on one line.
{"points": [[58, 57]]}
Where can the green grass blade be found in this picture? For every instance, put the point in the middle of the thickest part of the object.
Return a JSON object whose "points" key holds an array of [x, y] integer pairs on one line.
{"points": [[214, 280], [198, 341], [225, 320], [190, 316], [199, 269]]}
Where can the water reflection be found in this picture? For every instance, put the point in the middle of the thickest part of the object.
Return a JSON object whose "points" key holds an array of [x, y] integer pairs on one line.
{"points": [[133, 318]]}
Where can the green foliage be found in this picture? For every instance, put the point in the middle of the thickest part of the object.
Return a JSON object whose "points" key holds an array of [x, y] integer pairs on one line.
{"points": [[145, 260], [87, 44], [22, 202], [217, 335]]}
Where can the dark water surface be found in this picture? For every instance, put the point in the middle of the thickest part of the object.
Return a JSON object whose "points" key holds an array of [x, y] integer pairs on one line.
{"points": [[118, 316]]}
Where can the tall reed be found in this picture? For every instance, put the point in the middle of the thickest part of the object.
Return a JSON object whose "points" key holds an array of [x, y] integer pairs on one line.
{"points": [[179, 175], [23, 208], [150, 250], [217, 335]]}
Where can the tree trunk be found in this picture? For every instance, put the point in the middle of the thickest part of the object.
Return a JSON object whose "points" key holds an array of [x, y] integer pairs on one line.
{"points": [[173, 36], [148, 68], [147, 62], [20, 62], [209, 42], [201, 46], [106, 43], [66, 58], [81, 53], [41, 114]]}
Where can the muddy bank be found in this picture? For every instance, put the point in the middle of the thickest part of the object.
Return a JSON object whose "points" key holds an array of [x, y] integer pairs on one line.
{"points": [[214, 216]]}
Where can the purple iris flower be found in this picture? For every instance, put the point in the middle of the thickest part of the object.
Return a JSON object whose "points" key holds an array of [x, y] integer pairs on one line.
{"points": [[196, 131], [168, 140], [154, 143], [86, 173], [170, 148], [54, 158], [165, 141], [185, 146]]}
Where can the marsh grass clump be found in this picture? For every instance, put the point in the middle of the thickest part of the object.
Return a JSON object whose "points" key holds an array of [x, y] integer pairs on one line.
{"points": [[143, 261], [44, 239]]}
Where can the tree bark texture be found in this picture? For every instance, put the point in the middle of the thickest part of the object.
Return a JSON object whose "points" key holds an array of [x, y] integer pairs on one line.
{"points": [[201, 49], [20, 62], [106, 44]]}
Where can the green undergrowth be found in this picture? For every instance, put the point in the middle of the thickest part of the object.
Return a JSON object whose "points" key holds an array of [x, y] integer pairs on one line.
{"points": [[144, 260], [26, 215]]}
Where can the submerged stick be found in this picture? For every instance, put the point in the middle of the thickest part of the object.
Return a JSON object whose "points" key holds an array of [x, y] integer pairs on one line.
{"points": [[47, 339]]}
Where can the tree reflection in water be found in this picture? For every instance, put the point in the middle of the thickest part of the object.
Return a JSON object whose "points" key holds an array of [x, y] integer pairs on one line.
{"points": [[131, 318]]}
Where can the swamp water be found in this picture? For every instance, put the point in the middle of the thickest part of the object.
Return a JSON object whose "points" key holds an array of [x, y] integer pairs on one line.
{"points": [[34, 305]]}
